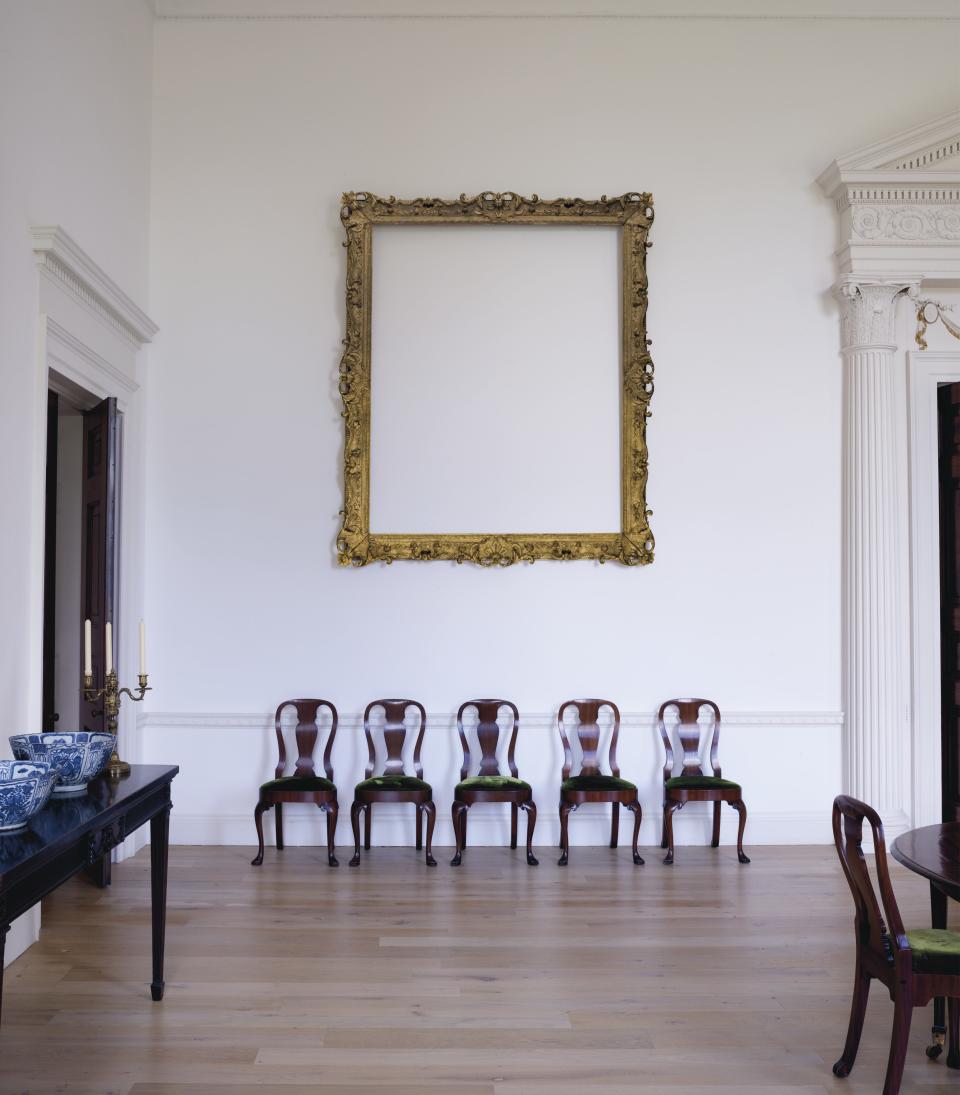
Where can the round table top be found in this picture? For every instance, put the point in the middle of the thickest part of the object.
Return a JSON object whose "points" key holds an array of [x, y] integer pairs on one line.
{"points": [[933, 851]]}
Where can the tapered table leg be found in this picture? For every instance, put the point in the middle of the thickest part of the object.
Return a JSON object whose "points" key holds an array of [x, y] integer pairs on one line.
{"points": [[159, 847], [4, 928], [938, 919]]}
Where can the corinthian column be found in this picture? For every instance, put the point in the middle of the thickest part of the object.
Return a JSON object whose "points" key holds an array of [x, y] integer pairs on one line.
{"points": [[876, 668]]}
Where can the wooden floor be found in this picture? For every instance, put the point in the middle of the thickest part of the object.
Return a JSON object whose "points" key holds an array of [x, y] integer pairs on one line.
{"points": [[495, 979]]}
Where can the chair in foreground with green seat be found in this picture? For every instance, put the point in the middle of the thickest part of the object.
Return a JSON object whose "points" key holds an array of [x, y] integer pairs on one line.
{"points": [[694, 783], [489, 784], [304, 785], [590, 784], [393, 784], [913, 966]]}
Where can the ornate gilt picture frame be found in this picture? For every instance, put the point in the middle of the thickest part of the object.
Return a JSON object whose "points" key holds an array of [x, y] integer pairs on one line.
{"points": [[633, 545]]}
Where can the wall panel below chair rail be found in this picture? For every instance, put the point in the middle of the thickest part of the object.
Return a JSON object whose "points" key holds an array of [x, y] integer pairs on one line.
{"points": [[783, 759]]}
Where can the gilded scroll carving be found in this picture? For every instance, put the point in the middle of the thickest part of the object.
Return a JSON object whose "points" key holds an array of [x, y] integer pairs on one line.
{"points": [[634, 543]]}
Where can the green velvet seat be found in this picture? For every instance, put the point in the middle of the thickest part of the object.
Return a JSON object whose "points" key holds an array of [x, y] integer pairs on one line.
{"points": [[492, 783], [394, 783], [299, 783], [935, 950], [701, 783], [597, 783]]}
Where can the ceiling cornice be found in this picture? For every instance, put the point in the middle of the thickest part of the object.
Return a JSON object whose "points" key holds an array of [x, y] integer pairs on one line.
{"points": [[555, 9]]}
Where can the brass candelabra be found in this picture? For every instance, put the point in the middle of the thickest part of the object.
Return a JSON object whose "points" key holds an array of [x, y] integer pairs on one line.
{"points": [[110, 694]]}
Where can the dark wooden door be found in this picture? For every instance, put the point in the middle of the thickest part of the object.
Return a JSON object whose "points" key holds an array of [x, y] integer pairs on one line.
{"points": [[98, 568], [49, 715]]}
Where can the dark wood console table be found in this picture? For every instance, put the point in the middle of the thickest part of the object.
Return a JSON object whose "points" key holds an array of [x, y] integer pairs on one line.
{"points": [[74, 832]]}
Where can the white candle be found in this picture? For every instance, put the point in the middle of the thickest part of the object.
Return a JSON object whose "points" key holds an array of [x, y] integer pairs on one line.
{"points": [[108, 664], [143, 650], [87, 652]]}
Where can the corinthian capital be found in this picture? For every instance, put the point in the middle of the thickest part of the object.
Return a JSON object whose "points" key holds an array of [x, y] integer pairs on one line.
{"points": [[869, 308]]}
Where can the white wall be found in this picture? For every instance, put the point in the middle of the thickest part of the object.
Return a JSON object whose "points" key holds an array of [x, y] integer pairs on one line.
{"points": [[75, 87], [258, 127]]}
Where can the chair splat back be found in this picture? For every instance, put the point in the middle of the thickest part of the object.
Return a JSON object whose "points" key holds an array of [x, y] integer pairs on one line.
{"points": [[688, 731], [307, 733], [488, 736], [588, 735], [848, 818], [394, 736]]}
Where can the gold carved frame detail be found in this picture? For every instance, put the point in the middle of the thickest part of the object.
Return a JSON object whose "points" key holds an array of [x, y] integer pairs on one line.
{"points": [[633, 544]]}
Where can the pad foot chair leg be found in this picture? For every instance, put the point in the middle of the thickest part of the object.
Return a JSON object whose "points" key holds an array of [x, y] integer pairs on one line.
{"points": [[858, 1009], [258, 821], [741, 809], [531, 809], [902, 1014], [431, 811], [355, 811], [459, 812], [332, 810], [564, 834], [637, 817], [668, 812]]}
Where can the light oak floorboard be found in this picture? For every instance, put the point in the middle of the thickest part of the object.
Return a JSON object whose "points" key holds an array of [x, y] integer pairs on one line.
{"points": [[494, 979]]}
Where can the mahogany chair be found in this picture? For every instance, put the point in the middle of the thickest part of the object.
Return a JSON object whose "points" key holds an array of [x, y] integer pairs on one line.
{"points": [[914, 966], [304, 785], [489, 784], [694, 783], [590, 784], [393, 784]]}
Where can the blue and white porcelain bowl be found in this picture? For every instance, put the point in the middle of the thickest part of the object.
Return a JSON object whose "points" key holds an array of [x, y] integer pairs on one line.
{"points": [[24, 790], [78, 755]]}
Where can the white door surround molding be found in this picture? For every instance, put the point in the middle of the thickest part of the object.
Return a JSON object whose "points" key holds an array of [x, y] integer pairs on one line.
{"points": [[898, 202], [91, 335]]}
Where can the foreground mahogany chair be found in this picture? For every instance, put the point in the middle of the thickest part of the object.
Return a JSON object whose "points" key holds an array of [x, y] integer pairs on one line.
{"points": [[393, 784], [914, 966], [693, 784], [489, 785], [304, 785], [590, 784]]}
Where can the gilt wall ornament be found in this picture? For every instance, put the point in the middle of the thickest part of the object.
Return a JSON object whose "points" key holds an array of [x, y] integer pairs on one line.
{"points": [[633, 544]]}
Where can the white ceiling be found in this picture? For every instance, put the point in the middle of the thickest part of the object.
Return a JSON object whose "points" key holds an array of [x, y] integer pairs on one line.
{"points": [[682, 9]]}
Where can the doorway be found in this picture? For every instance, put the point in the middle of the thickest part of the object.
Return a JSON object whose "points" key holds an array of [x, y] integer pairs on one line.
{"points": [[80, 552], [948, 441]]}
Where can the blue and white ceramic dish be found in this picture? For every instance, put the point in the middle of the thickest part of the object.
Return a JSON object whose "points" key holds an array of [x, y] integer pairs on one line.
{"points": [[24, 790], [78, 755]]}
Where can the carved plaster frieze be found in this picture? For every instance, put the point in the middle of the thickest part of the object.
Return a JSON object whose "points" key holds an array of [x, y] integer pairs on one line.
{"points": [[906, 222], [868, 309]]}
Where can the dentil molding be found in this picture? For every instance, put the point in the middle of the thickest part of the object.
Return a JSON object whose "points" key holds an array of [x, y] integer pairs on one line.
{"points": [[63, 260]]}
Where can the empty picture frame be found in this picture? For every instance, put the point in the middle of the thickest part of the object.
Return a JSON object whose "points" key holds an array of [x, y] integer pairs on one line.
{"points": [[631, 216]]}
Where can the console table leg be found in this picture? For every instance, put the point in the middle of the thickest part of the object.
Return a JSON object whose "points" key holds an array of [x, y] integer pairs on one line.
{"points": [[4, 928], [159, 847]]}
